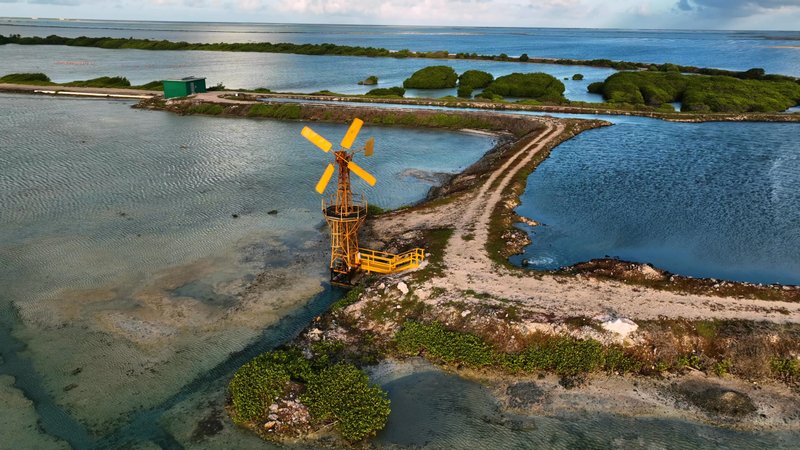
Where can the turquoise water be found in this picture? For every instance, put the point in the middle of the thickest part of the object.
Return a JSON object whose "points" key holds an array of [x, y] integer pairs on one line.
{"points": [[715, 200], [735, 50]]}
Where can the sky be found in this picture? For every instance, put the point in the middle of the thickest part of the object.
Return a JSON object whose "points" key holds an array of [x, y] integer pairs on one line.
{"points": [[665, 14]]}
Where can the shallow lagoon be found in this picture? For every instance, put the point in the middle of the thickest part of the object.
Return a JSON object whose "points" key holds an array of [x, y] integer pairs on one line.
{"points": [[717, 200], [124, 268]]}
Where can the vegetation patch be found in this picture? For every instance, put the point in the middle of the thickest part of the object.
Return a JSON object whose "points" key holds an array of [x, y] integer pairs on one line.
{"points": [[276, 111], [538, 86], [341, 394], [387, 92], [369, 81], [560, 354], [432, 77], [208, 109], [101, 82], [698, 93], [336, 394], [26, 78]]}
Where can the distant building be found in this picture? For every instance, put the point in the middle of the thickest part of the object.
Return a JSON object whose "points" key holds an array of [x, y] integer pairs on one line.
{"points": [[184, 86]]}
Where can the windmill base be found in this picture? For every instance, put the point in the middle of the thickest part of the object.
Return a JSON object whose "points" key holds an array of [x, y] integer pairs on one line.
{"points": [[344, 279]]}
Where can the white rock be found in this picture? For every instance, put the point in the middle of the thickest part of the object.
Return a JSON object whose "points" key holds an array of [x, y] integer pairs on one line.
{"points": [[315, 334], [621, 326], [273, 408], [403, 287], [382, 286], [465, 313]]}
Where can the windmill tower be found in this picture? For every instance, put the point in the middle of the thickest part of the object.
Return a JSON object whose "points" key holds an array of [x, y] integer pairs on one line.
{"points": [[345, 213]]}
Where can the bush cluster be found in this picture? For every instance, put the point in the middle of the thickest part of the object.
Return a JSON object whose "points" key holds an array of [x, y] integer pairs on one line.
{"points": [[25, 78], [342, 394], [262, 380], [432, 77], [101, 82], [562, 355], [337, 393], [537, 86], [699, 93], [471, 80], [387, 92]]}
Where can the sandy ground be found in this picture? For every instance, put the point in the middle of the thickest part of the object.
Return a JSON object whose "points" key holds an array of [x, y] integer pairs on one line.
{"points": [[468, 266]]}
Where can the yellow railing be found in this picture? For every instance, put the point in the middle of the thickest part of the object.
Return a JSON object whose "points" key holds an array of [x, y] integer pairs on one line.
{"points": [[382, 262]]}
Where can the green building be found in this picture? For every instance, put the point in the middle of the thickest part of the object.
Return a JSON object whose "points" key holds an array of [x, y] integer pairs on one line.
{"points": [[184, 86]]}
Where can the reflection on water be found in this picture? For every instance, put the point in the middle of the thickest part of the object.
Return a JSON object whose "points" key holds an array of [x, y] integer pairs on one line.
{"points": [[717, 200]]}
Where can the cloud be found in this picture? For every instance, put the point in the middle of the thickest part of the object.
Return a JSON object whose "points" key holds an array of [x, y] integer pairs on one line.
{"points": [[735, 8]]}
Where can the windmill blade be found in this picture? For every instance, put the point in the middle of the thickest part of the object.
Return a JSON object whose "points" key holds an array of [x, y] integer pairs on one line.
{"points": [[316, 139], [361, 173], [352, 132], [326, 176], [369, 149]]}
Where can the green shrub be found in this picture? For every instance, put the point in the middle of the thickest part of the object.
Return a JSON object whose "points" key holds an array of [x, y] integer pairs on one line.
{"points": [[465, 91], [577, 77], [786, 368], [537, 86], [341, 393], [596, 87], [699, 93], [387, 92], [216, 87], [25, 78], [440, 344], [261, 380], [524, 57], [475, 79], [101, 82], [432, 77], [156, 85], [370, 80]]}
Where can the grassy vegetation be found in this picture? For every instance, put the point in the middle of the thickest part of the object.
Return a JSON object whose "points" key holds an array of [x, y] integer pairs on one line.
{"points": [[387, 92], [699, 93], [559, 354], [336, 393], [208, 109], [280, 111], [536, 86], [432, 77], [577, 77]]}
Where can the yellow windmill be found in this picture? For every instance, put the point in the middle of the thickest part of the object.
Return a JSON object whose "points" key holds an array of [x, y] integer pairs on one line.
{"points": [[345, 214]]}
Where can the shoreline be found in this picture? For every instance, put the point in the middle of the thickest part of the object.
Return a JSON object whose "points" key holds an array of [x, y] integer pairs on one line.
{"points": [[243, 96]]}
